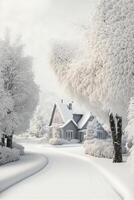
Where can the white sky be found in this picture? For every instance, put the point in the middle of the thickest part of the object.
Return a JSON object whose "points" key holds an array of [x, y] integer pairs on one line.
{"points": [[41, 21]]}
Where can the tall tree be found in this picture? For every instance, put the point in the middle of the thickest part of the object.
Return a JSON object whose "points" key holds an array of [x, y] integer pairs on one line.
{"points": [[19, 87], [104, 79]]}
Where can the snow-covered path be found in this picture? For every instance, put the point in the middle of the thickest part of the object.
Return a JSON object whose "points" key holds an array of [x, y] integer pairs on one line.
{"points": [[64, 178]]}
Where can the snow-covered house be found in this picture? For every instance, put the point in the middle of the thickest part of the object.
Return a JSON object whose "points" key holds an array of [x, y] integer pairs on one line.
{"points": [[71, 125]]}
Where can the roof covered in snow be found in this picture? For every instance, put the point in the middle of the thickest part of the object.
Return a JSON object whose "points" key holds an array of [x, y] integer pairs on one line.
{"points": [[84, 120], [67, 115], [67, 122]]}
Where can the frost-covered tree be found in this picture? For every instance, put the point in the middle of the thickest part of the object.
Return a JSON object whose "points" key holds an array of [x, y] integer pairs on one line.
{"points": [[19, 87], [38, 124], [38, 127], [104, 79], [61, 57], [5, 105], [130, 126]]}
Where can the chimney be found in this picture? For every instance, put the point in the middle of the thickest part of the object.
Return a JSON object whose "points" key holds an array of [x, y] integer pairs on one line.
{"points": [[70, 106]]}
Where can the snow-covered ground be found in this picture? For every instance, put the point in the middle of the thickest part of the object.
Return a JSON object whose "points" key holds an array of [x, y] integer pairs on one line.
{"points": [[68, 176], [14, 172], [120, 175]]}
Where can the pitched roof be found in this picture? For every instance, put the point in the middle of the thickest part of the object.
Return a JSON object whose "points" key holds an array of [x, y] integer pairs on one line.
{"points": [[68, 123], [84, 120], [67, 115]]}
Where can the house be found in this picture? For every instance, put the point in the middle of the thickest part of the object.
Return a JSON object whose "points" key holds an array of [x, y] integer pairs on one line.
{"points": [[71, 125]]}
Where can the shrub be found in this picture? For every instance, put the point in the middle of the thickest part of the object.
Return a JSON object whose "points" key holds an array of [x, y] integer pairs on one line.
{"points": [[18, 147], [58, 141], [99, 148], [8, 155]]}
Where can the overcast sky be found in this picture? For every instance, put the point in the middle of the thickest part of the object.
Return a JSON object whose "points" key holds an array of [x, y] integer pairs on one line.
{"points": [[42, 21]]}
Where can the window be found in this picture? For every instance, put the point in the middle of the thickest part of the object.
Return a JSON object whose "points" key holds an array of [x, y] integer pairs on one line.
{"points": [[69, 134]]}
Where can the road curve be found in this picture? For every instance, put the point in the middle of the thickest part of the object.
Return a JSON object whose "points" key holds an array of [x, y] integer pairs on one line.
{"points": [[64, 178]]}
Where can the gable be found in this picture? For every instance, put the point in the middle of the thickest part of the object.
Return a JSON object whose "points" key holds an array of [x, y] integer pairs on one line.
{"points": [[69, 126], [65, 113], [57, 119], [77, 117], [84, 121]]}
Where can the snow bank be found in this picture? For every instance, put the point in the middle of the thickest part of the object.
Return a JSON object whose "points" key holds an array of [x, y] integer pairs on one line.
{"points": [[28, 165], [8, 155], [131, 156], [19, 147], [58, 141], [74, 141], [30, 139]]}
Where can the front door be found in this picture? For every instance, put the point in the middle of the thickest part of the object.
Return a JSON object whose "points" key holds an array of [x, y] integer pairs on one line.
{"points": [[69, 135]]}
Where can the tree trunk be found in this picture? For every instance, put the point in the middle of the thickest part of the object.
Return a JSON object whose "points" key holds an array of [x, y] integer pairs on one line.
{"points": [[117, 136], [3, 140], [9, 141]]}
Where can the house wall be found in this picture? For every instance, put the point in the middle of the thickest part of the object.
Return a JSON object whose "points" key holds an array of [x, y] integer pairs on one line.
{"points": [[81, 135], [101, 134], [70, 126]]}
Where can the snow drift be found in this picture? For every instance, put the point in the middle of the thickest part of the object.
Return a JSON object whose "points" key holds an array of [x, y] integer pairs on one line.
{"points": [[58, 141]]}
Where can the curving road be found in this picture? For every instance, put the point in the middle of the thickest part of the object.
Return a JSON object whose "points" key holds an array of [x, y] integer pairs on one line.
{"points": [[64, 178]]}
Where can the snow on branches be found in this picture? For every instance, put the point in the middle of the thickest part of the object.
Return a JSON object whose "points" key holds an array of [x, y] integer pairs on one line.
{"points": [[130, 126], [105, 80], [18, 91]]}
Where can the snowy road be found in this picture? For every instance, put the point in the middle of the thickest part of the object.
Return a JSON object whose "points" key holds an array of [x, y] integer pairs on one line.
{"points": [[64, 178]]}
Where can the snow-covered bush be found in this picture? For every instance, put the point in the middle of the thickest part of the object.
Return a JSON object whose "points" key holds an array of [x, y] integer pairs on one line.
{"points": [[19, 147], [8, 155], [102, 148], [99, 148], [38, 127], [131, 155], [56, 132], [58, 141]]}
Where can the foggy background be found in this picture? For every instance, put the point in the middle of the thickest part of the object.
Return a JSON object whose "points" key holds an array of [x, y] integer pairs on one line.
{"points": [[39, 22]]}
